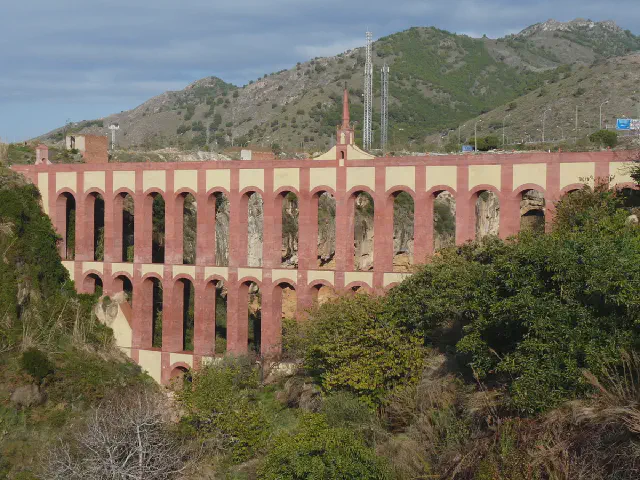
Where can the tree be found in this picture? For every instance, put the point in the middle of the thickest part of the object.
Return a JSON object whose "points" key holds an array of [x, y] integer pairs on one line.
{"points": [[605, 138], [126, 437]]}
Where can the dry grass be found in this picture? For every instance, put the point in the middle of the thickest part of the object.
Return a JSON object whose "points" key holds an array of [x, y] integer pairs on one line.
{"points": [[4, 152]]}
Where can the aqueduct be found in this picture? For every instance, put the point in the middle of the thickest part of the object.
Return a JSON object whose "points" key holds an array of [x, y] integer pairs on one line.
{"points": [[344, 172]]}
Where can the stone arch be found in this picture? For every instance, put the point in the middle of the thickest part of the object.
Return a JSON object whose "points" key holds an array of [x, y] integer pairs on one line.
{"points": [[95, 218], [443, 206], [92, 282], [216, 234], [358, 286], [211, 322], [66, 224], [152, 312], [486, 211], [572, 188], [154, 225], [186, 226], [287, 232], [401, 208], [323, 225], [124, 224], [123, 283], [532, 210], [252, 209], [361, 215]]}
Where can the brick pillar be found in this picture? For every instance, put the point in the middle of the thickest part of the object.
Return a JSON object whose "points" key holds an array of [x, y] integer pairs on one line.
{"points": [[422, 219], [112, 227], [552, 194], [272, 223], [344, 225], [142, 312], [206, 221], [271, 325], [237, 224], [509, 206], [382, 225], [172, 318], [307, 225], [465, 213], [173, 219], [84, 223], [204, 330], [59, 220], [237, 317], [304, 295], [142, 223]]}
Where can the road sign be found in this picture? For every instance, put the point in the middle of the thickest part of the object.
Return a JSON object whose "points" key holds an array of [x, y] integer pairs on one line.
{"points": [[623, 124], [467, 148]]}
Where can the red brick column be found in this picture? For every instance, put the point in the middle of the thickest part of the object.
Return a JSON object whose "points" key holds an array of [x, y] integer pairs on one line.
{"points": [[271, 326], [382, 225], [237, 224], [173, 219], [172, 318], [142, 223], [142, 312], [465, 212], [307, 224], [509, 206], [422, 218], [206, 221], [204, 330], [84, 222], [552, 194], [111, 233], [237, 317], [344, 226]]}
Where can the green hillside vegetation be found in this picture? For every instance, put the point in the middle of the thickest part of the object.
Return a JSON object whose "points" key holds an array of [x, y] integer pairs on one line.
{"points": [[439, 80]]}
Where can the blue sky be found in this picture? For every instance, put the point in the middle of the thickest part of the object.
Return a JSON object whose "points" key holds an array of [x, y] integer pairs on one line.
{"points": [[67, 59]]}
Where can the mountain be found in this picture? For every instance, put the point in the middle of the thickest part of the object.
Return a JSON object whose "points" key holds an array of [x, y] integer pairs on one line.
{"points": [[438, 80]]}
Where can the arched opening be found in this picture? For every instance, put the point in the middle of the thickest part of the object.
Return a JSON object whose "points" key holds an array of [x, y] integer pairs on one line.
{"points": [[92, 284], [444, 220], [187, 208], [254, 336], [532, 211], [157, 220], [214, 313], [326, 238], [323, 293], [285, 304], [255, 228], [403, 225], [222, 229], [95, 212], [290, 212], [152, 313], [184, 311], [487, 214], [124, 226], [363, 231], [122, 284], [66, 225]]}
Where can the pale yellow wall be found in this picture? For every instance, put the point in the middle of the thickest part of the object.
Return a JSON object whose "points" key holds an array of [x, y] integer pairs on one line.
{"points": [[400, 176], [330, 155], [289, 274], [390, 278], [94, 180], [621, 172], [574, 172], [442, 176], [185, 179], [366, 277], [322, 176], [484, 175], [124, 180], [219, 178], [184, 270], [250, 272], [43, 186], [252, 177], [357, 176], [354, 153], [69, 265], [152, 268], [326, 275], [151, 361], [98, 266], [122, 267], [66, 180], [530, 173], [122, 332], [286, 177], [154, 179], [181, 357], [220, 271]]}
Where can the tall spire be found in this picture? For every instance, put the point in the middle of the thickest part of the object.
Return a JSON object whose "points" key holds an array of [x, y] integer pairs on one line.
{"points": [[345, 108]]}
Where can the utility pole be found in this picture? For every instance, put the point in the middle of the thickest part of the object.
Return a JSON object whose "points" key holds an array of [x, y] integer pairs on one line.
{"points": [[603, 103], [475, 136], [367, 134], [503, 120]]}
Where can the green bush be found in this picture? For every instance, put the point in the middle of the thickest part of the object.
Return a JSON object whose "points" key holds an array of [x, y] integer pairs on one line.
{"points": [[36, 363], [352, 345], [219, 404], [605, 138], [317, 451]]}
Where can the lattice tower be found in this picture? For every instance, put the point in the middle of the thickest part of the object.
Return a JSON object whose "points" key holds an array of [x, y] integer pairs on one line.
{"points": [[367, 132], [384, 105]]}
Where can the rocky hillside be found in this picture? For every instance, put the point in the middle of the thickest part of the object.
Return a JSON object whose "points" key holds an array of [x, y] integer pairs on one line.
{"points": [[438, 80]]}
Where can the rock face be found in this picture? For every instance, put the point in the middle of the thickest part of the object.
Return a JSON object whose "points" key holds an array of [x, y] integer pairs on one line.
{"points": [[290, 212], [444, 218], [487, 215], [222, 231], [403, 225], [255, 231], [363, 233], [326, 229], [27, 396], [532, 211]]}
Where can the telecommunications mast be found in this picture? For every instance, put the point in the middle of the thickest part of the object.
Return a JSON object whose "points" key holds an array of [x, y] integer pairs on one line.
{"points": [[367, 133], [384, 105], [113, 127]]}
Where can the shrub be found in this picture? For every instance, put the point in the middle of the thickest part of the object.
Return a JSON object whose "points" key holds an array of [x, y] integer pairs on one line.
{"points": [[316, 450], [605, 138], [352, 345], [36, 363]]}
